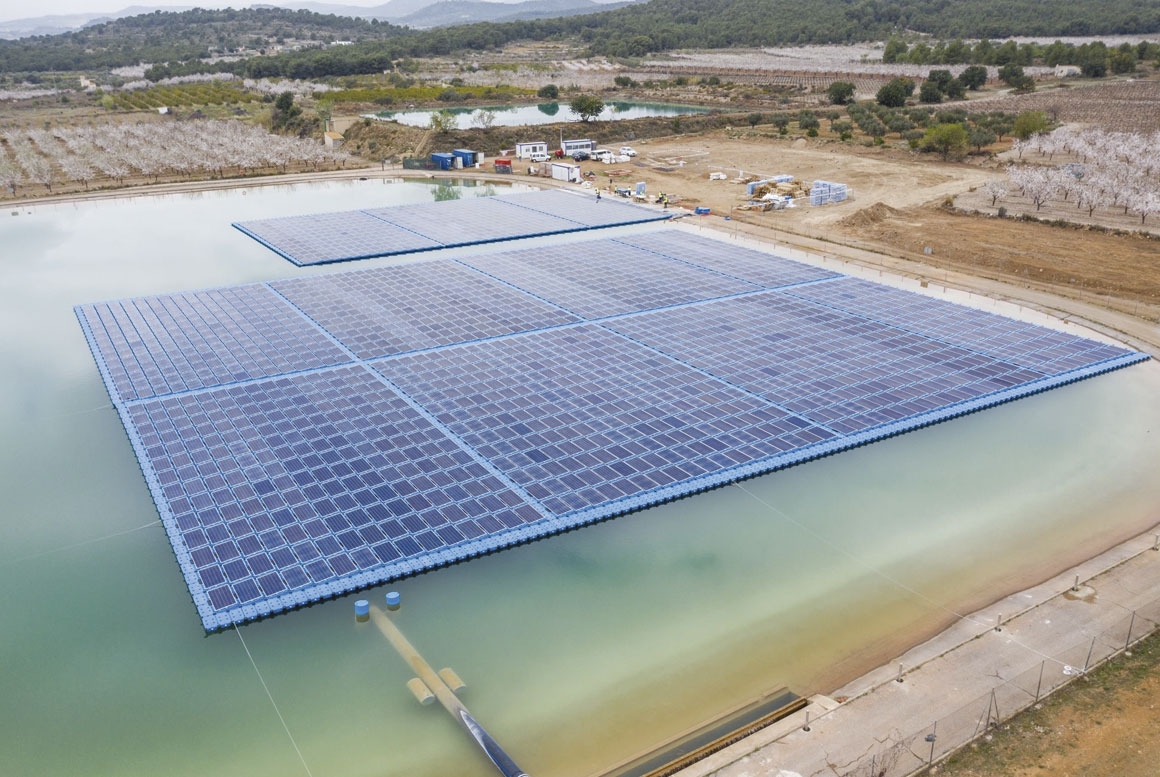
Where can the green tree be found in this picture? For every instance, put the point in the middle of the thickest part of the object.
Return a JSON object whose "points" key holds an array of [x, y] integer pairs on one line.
{"points": [[894, 93], [930, 93], [285, 102], [1123, 60], [548, 92], [1011, 74], [286, 115], [586, 106], [895, 50], [754, 119], [840, 92], [442, 122], [942, 78], [981, 136], [781, 121], [900, 124], [1029, 123], [1094, 68], [955, 90], [808, 121], [950, 140], [974, 77]]}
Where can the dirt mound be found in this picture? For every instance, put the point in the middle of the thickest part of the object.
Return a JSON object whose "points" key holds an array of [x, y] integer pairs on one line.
{"points": [[868, 217]]}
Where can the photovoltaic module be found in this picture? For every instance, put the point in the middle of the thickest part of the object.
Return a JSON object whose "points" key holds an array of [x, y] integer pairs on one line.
{"points": [[322, 238], [310, 437]]}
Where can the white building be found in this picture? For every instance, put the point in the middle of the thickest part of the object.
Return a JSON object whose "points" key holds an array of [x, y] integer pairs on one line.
{"points": [[527, 150]]}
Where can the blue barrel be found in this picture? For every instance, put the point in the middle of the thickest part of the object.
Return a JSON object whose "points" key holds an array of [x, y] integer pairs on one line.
{"points": [[362, 608], [394, 600]]}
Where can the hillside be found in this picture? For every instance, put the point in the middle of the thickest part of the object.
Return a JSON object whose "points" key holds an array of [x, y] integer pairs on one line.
{"points": [[632, 31], [187, 35], [453, 12]]}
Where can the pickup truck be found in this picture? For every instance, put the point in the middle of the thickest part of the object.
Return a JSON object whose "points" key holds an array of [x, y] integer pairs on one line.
{"points": [[627, 151]]}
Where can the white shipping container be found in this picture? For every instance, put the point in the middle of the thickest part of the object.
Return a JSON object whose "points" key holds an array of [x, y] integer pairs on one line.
{"points": [[566, 172]]}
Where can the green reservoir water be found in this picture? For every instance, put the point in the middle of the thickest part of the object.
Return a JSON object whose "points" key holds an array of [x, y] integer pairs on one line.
{"points": [[579, 650]]}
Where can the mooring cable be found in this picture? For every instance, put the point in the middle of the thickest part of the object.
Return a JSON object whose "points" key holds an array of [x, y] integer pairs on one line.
{"points": [[270, 696], [80, 544]]}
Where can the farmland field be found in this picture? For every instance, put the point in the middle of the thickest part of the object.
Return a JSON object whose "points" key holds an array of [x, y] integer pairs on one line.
{"points": [[179, 96], [1126, 106]]}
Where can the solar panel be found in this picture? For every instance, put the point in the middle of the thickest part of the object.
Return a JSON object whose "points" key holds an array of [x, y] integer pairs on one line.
{"points": [[180, 342], [360, 234], [311, 437], [470, 221], [1003, 338], [836, 369], [334, 237], [279, 493], [580, 417], [738, 262], [584, 209], [606, 278], [410, 307]]}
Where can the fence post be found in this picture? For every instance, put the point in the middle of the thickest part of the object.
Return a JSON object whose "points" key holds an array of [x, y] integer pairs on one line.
{"points": [[1039, 685], [1087, 660], [1131, 623], [931, 737]]}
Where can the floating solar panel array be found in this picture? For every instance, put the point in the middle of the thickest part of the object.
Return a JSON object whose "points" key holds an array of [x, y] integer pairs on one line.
{"points": [[307, 438], [361, 234]]}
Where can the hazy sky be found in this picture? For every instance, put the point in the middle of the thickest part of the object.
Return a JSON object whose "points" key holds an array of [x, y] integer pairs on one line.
{"points": [[23, 9]]}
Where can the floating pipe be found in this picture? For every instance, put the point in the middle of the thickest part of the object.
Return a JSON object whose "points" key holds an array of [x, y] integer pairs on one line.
{"points": [[447, 675], [502, 761], [420, 690]]}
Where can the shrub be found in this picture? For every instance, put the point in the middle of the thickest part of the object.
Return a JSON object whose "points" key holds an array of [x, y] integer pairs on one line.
{"points": [[840, 92], [930, 92], [973, 77], [894, 93], [950, 140]]}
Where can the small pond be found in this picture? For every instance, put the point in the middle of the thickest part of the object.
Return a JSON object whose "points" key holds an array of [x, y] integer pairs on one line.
{"points": [[543, 113]]}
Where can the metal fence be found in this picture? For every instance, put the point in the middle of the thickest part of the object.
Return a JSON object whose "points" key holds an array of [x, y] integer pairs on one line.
{"points": [[904, 754]]}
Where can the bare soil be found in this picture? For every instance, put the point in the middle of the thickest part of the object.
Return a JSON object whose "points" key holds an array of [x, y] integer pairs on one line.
{"points": [[1104, 723], [1026, 253], [898, 206]]}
